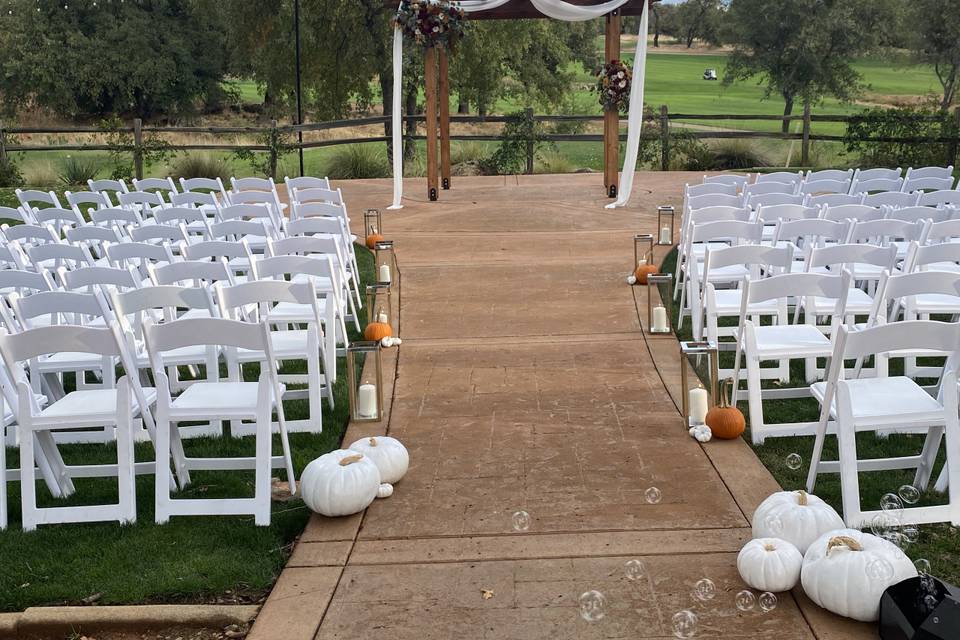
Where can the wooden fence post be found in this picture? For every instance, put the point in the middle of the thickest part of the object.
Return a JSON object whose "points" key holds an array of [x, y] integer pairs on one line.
{"points": [[274, 140], [954, 147], [805, 145], [138, 148], [530, 146], [664, 138], [3, 143]]}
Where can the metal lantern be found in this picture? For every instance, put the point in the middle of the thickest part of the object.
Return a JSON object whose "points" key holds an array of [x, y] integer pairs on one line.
{"points": [[697, 400], [385, 262], [666, 215], [372, 227], [379, 303], [642, 249], [365, 381], [659, 315]]}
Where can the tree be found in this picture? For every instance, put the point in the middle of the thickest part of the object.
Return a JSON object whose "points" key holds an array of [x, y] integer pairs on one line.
{"points": [[801, 50], [696, 20], [161, 57], [936, 41]]}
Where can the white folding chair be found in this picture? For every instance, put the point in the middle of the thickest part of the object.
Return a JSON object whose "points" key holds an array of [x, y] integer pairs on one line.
{"points": [[770, 215], [116, 218], [897, 402], [109, 188], [855, 212], [306, 182], [910, 185], [143, 203], [898, 233], [783, 341], [236, 252], [333, 227], [914, 214], [727, 178], [94, 239], [829, 174], [943, 256], [822, 186], [755, 201], [194, 222], [832, 200], [139, 255], [891, 199], [784, 177], [59, 219], [939, 198], [161, 186], [215, 399], [206, 186], [317, 194], [83, 201], [804, 234], [33, 199], [701, 216]]}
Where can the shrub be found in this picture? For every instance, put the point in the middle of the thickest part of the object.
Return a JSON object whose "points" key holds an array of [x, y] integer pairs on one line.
{"points": [[736, 154], [552, 161], [75, 171], [468, 152], [511, 155], [10, 175], [923, 123], [358, 161], [41, 175], [200, 165]]}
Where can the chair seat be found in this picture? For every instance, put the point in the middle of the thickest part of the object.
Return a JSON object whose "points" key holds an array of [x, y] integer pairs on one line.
{"points": [[699, 249], [727, 302], [858, 302], [190, 354], [287, 345], [878, 401], [71, 361], [730, 273], [950, 267], [91, 404], [935, 303], [217, 399], [293, 312], [790, 341]]}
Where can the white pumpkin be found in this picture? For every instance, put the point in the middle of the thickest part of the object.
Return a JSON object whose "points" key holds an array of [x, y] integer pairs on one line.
{"points": [[770, 564], [385, 490], [846, 571], [387, 453], [795, 516], [340, 483]]}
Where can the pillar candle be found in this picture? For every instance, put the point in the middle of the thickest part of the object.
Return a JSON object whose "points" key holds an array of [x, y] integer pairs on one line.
{"points": [[699, 401], [367, 401], [665, 236], [382, 318], [385, 273], [660, 319]]}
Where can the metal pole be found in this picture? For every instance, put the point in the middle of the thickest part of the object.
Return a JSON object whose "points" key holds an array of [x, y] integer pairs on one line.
{"points": [[296, 23]]}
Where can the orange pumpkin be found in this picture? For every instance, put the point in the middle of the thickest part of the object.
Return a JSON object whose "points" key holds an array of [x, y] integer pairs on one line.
{"points": [[726, 421], [377, 331], [643, 271], [373, 239]]}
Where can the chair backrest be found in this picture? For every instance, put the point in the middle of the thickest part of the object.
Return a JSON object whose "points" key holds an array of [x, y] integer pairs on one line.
{"points": [[936, 198], [62, 307], [165, 185], [180, 215], [138, 254], [772, 258], [195, 199], [734, 231], [719, 188], [240, 229], [20, 215], [883, 231], [797, 285], [728, 178], [169, 336], [755, 201], [913, 214], [313, 226], [98, 278], [195, 273], [18, 348], [141, 200], [166, 234], [33, 197], [927, 184], [713, 200], [306, 182], [54, 255], [145, 303], [107, 187], [77, 200], [213, 185], [944, 230], [830, 174], [250, 211], [763, 188], [290, 265], [28, 234], [93, 236], [930, 172], [855, 212], [811, 233], [847, 256], [895, 336], [309, 246], [785, 177], [251, 184], [929, 257], [116, 217], [875, 185], [871, 174], [215, 250], [772, 213], [234, 300], [891, 199], [317, 195], [58, 217], [717, 213], [833, 199], [822, 186], [895, 291], [321, 209]]}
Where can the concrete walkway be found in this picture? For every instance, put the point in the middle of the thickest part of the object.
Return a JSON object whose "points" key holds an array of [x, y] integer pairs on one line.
{"points": [[524, 383]]}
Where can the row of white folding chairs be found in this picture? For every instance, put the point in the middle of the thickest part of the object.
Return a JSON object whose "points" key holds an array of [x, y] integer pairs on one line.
{"points": [[839, 181], [887, 199]]}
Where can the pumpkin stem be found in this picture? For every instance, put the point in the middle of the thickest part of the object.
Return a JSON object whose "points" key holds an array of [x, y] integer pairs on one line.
{"points": [[843, 541], [769, 547], [802, 498], [351, 459], [723, 393], [373, 442]]}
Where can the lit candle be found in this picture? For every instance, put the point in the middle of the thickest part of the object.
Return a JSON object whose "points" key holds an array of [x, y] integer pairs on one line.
{"points": [[660, 319], [385, 273], [382, 318], [665, 236], [367, 401], [698, 405]]}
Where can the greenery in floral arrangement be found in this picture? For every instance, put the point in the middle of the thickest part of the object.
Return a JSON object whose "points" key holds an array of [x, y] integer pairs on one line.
{"points": [[430, 23], [613, 86]]}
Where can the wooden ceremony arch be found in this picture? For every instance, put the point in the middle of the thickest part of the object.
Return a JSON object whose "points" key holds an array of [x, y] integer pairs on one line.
{"points": [[437, 91]]}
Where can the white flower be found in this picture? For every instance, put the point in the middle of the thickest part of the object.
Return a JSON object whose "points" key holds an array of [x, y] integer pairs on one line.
{"points": [[623, 84], [435, 29], [620, 74], [631, 279]]}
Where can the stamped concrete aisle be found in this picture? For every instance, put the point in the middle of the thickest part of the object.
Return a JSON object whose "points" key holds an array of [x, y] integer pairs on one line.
{"points": [[525, 384]]}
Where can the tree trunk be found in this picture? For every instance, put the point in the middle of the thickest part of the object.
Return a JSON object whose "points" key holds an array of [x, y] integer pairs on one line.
{"points": [[787, 111], [386, 90], [463, 106], [656, 28], [409, 148]]}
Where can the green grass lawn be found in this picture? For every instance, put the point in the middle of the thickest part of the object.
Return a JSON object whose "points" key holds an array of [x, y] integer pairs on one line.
{"points": [[939, 543], [194, 559]]}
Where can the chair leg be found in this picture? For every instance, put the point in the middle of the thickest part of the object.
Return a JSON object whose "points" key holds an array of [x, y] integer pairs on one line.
{"points": [[849, 478], [754, 400], [951, 471], [3, 479], [59, 479], [314, 399], [261, 515], [28, 489], [931, 445], [162, 479], [126, 480]]}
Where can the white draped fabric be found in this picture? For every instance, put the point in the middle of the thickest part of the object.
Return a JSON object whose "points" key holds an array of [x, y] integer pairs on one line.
{"points": [[560, 10]]}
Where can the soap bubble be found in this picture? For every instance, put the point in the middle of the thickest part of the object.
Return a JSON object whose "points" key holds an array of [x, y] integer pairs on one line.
{"points": [[879, 569], [794, 461], [653, 495], [891, 503], [634, 569], [910, 533], [521, 521], [909, 494], [923, 566], [881, 524], [684, 624], [767, 601], [745, 600], [704, 590], [593, 606], [773, 524]]}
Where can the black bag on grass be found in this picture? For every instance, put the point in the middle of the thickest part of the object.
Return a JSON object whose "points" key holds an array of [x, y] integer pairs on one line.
{"points": [[920, 608]]}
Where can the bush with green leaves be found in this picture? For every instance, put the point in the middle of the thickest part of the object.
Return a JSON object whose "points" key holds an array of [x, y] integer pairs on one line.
{"points": [[76, 170], [278, 145], [10, 175], [510, 157], [354, 161], [200, 165], [120, 138], [731, 155], [869, 136]]}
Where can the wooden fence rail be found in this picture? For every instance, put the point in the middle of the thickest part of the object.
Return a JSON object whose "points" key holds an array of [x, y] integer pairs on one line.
{"points": [[666, 120]]}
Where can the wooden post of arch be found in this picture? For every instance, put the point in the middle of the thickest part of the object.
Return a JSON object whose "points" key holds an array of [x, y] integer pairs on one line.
{"points": [[444, 99], [611, 117], [430, 80]]}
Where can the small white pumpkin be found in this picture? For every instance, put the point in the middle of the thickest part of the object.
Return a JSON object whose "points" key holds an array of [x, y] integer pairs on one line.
{"points": [[795, 516], [385, 490], [701, 433], [387, 453], [770, 564], [340, 483], [846, 571]]}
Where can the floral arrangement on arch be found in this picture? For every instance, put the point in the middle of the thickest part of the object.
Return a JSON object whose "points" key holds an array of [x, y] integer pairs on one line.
{"points": [[430, 23], [613, 86]]}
